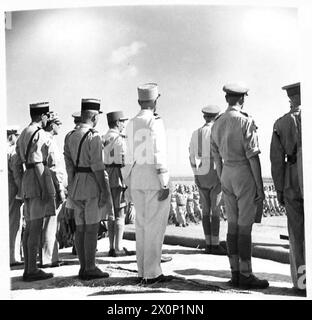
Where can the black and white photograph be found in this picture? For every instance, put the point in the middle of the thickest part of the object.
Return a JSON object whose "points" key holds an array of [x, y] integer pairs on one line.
{"points": [[155, 151]]}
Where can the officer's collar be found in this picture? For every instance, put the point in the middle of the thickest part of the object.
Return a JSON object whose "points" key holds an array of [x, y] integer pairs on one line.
{"points": [[85, 125], [146, 111], [235, 108]]}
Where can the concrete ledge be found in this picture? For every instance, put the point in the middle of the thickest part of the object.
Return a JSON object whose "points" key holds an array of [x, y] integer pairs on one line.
{"points": [[275, 253]]}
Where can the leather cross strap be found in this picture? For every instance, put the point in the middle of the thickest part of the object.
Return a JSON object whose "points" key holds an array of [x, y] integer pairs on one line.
{"points": [[29, 145], [80, 145]]}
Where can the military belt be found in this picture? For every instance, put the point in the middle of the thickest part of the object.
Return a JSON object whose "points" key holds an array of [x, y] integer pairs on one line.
{"points": [[32, 165], [292, 159], [83, 169], [114, 165]]}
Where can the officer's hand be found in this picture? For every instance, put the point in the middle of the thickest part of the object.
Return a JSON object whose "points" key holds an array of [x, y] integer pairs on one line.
{"points": [[280, 197], [163, 194]]}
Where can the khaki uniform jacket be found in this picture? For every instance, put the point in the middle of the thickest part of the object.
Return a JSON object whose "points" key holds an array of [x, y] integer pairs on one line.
{"points": [[200, 152], [39, 151], [234, 137], [286, 140], [83, 185], [114, 153]]}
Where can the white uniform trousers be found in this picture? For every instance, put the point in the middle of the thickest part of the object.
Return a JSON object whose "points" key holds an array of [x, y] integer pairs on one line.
{"points": [[150, 225]]}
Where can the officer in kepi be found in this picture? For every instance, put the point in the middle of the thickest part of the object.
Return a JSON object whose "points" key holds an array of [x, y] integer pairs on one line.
{"points": [[147, 177], [86, 186], [207, 180], [286, 168], [235, 149], [114, 154], [35, 185]]}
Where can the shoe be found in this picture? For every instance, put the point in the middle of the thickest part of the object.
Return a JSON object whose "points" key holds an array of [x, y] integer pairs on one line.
{"points": [[165, 259], [129, 252], [112, 253], [161, 278], [38, 275], [94, 274], [52, 265], [138, 280], [16, 263], [207, 249], [81, 274], [234, 282], [252, 282], [218, 250]]}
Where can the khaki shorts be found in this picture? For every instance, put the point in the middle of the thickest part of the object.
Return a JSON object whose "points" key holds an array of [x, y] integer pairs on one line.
{"points": [[35, 208], [87, 211]]}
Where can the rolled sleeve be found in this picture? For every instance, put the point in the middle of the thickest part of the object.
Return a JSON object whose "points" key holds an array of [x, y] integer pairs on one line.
{"points": [[277, 158], [96, 154], [251, 139]]}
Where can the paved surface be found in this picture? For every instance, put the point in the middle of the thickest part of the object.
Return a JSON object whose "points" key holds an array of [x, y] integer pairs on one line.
{"points": [[199, 276], [265, 236]]}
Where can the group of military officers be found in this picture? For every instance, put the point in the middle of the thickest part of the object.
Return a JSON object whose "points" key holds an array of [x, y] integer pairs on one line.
{"points": [[224, 156]]}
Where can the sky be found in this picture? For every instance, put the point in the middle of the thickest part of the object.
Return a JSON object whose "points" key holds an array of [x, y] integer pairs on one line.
{"points": [[64, 55]]}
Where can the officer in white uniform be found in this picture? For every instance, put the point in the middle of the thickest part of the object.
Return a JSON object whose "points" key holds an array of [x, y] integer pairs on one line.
{"points": [[147, 177]]}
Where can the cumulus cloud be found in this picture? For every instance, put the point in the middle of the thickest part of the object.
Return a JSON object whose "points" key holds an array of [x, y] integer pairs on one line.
{"points": [[123, 53]]}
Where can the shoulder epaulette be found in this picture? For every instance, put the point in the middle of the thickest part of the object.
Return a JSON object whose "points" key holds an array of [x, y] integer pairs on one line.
{"points": [[245, 114], [218, 116], [156, 116]]}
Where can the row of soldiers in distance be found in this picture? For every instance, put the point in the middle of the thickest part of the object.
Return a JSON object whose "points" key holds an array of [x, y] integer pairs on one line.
{"points": [[185, 205], [235, 152]]}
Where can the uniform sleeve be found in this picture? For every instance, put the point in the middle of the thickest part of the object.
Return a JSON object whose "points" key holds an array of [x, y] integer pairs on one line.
{"points": [[158, 135], [120, 147], [192, 150], [277, 157], [214, 147], [17, 167], [69, 164], [128, 151], [40, 144], [251, 143], [96, 153]]}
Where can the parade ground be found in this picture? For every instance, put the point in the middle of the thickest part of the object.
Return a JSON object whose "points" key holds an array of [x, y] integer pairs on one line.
{"points": [[199, 276]]}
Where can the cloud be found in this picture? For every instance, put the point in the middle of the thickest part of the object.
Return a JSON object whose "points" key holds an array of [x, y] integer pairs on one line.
{"points": [[129, 71], [123, 53]]}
